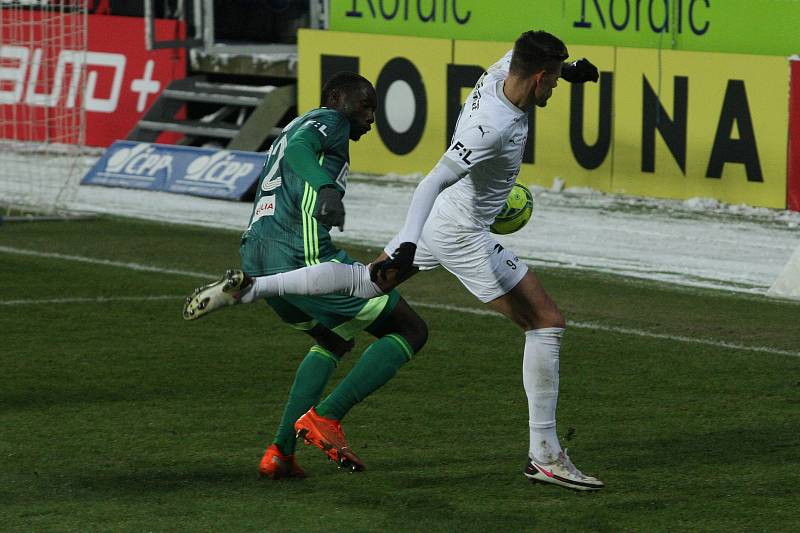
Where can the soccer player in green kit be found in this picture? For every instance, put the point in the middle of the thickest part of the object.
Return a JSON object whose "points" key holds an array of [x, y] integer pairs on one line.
{"points": [[299, 201]]}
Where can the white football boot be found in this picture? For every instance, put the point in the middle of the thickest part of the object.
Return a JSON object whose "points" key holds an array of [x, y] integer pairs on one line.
{"points": [[228, 290], [561, 472]]}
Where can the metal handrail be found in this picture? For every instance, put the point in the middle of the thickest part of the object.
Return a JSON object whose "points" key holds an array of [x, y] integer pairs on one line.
{"points": [[199, 25]]}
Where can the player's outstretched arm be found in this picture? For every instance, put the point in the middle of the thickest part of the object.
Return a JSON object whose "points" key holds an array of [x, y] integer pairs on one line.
{"points": [[580, 71], [443, 175], [476, 143]]}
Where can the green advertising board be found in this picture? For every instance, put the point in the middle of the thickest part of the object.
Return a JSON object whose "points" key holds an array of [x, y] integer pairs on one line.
{"points": [[764, 27]]}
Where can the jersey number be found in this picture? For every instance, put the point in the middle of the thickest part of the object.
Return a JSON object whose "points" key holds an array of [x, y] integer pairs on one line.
{"points": [[273, 180]]}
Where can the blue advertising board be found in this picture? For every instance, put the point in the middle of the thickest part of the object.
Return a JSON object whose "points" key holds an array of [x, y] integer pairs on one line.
{"points": [[226, 174]]}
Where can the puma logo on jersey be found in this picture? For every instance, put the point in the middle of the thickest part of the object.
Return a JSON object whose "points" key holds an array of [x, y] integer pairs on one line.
{"points": [[483, 131]]}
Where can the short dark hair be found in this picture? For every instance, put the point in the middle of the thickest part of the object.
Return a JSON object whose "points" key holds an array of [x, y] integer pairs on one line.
{"points": [[535, 51], [341, 82]]}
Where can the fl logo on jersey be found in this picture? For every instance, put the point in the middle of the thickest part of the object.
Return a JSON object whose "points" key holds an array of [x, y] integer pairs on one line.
{"points": [[462, 151]]}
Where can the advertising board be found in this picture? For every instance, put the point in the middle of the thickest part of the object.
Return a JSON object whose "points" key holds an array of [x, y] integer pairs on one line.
{"points": [[660, 123], [122, 77], [226, 174], [409, 76], [698, 124], [763, 27]]}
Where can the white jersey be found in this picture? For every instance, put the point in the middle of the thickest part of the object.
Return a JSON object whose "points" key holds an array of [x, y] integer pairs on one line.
{"points": [[482, 165], [488, 145]]}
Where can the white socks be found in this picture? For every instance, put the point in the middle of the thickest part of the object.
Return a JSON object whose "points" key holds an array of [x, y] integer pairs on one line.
{"points": [[325, 278], [540, 377]]}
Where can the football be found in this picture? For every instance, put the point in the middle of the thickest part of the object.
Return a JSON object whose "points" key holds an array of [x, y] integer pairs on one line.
{"points": [[515, 213]]}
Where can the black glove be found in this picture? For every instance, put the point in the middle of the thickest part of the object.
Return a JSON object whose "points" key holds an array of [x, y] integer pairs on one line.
{"points": [[330, 209], [402, 260], [579, 71]]}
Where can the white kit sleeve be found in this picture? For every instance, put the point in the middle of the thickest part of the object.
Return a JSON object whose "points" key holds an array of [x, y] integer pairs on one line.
{"points": [[474, 145]]}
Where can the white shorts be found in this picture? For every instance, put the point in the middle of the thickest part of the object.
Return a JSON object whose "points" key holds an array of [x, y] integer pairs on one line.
{"points": [[480, 263]]}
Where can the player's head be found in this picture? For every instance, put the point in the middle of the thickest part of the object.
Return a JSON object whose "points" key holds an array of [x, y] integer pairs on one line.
{"points": [[538, 56], [354, 96]]}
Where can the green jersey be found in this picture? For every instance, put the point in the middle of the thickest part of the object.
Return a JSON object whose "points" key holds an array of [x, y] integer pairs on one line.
{"points": [[312, 151]]}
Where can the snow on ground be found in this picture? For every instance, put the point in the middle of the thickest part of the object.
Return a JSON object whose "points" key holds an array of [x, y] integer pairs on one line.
{"points": [[697, 242]]}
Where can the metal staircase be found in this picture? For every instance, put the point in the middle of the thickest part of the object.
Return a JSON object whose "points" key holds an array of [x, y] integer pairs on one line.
{"points": [[241, 117]]}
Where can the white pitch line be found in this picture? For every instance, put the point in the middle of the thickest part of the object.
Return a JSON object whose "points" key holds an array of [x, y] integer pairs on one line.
{"points": [[444, 307], [623, 331], [106, 262], [97, 300]]}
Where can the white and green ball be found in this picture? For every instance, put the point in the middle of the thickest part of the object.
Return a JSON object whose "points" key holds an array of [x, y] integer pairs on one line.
{"points": [[515, 213]]}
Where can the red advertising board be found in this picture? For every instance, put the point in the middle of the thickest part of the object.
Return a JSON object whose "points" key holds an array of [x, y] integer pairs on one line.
{"points": [[122, 77], [793, 182]]}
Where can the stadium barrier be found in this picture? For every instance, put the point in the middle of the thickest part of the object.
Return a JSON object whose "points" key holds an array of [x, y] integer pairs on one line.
{"points": [[663, 123]]}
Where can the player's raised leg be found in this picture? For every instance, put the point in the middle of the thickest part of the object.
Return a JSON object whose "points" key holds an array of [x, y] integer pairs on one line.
{"points": [[236, 287], [530, 307]]}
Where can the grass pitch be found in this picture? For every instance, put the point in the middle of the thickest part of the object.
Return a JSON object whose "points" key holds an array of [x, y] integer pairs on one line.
{"points": [[117, 415]]}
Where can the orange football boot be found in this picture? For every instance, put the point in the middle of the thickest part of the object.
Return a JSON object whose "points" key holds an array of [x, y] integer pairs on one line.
{"points": [[327, 435], [275, 465]]}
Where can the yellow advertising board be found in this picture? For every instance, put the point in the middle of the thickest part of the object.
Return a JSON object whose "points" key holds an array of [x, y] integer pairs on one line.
{"points": [[670, 124], [550, 154], [701, 124], [409, 76]]}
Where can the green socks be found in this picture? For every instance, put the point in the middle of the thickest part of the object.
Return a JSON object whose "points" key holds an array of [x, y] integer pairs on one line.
{"points": [[309, 383], [377, 365]]}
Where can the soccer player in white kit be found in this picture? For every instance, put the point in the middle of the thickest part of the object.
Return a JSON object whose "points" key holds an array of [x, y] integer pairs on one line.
{"points": [[448, 224]]}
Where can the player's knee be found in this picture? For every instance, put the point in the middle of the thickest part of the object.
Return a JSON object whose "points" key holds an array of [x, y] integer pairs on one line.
{"points": [[404, 321], [331, 341], [415, 331], [551, 318], [548, 317], [418, 335], [339, 348]]}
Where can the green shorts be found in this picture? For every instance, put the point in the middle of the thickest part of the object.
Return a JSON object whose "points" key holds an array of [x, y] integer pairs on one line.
{"points": [[344, 315]]}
